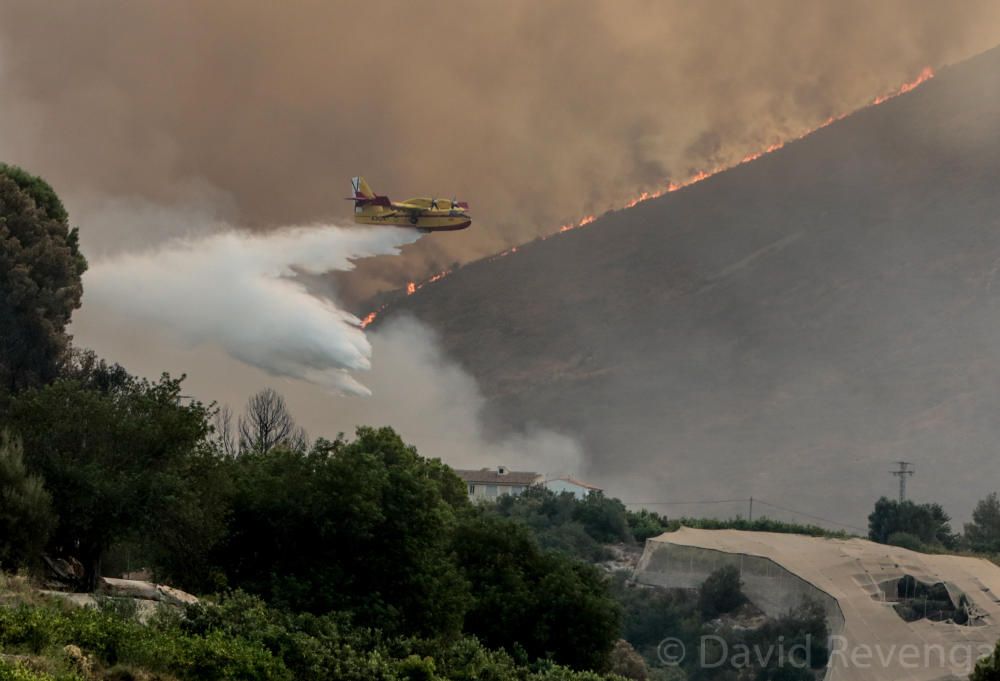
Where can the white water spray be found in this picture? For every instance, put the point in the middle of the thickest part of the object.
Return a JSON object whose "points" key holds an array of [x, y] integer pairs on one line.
{"points": [[238, 291]]}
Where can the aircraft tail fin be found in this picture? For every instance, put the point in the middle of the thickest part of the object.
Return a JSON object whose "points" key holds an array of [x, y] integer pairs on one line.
{"points": [[361, 188], [365, 200], [365, 197]]}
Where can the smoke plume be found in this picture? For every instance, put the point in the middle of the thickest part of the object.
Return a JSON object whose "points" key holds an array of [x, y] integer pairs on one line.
{"points": [[431, 401], [536, 113], [241, 292]]}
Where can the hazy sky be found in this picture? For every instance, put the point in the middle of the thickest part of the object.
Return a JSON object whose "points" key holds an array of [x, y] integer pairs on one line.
{"points": [[536, 112]]}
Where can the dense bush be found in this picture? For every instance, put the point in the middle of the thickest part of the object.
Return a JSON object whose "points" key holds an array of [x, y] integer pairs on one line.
{"points": [[14, 671], [650, 615], [905, 540], [762, 524], [561, 522], [644, 524], [243, 639], [721, 592], [543, 603], [988, 668]]}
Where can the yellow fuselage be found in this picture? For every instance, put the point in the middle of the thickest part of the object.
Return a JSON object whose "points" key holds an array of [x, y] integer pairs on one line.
{"points": [[433, 215], [424, 214]]}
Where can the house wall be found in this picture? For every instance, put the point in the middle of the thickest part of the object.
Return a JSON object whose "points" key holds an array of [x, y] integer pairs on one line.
{"points": [[560, 486], [479, 491]]}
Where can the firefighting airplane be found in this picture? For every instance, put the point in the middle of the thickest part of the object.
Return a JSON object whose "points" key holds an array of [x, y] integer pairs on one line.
{"points": [[423, 214]]}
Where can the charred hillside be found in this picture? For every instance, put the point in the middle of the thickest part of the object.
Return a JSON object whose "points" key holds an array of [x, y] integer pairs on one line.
{"points": [[812, 315]]}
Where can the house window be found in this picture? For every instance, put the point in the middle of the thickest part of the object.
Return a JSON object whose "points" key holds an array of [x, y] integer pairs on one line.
{"points": [[472, 489], [491, 491], [517, 489]]}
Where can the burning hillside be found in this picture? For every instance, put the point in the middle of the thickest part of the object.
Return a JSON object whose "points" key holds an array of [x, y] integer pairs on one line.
{"points": [[412, 287], [807, 316]]}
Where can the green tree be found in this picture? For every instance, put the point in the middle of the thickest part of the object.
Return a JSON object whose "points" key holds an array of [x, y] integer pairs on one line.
{"points": [[189, 519], [544, 603], [983, 533], [40, 280], [928, 522], [603, 517], [26, 517], [40, 191], [362, 527], [112, 450]]}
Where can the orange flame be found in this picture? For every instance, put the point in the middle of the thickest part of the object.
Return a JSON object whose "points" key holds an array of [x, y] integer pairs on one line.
{"points": [[370, 317], [926, 74]]}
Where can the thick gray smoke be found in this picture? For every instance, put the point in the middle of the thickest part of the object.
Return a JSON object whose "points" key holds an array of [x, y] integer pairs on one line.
{"points": [[537, 113], [240, 292], [439, 407]]}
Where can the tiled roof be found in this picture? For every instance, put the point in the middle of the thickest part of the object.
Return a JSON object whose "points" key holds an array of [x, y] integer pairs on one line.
{"points": [[578, 483], [493, 477]]}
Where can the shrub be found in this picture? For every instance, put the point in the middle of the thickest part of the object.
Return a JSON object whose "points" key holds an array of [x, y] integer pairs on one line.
{"points": [[20, 672], [988, 668], [905, 540], [645, 524], [242, 639], [721, 592], [26, 517], [625, 662]]}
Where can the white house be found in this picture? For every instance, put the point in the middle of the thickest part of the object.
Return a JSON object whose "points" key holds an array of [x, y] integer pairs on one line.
{"points": [[577, 488], [490, 483]]}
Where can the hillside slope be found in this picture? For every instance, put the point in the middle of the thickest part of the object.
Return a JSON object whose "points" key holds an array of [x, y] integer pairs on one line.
{"points": [[785, 329]]}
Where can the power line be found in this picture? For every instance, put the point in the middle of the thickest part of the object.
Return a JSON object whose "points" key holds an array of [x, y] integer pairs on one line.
{"points": [[809, 515]]}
